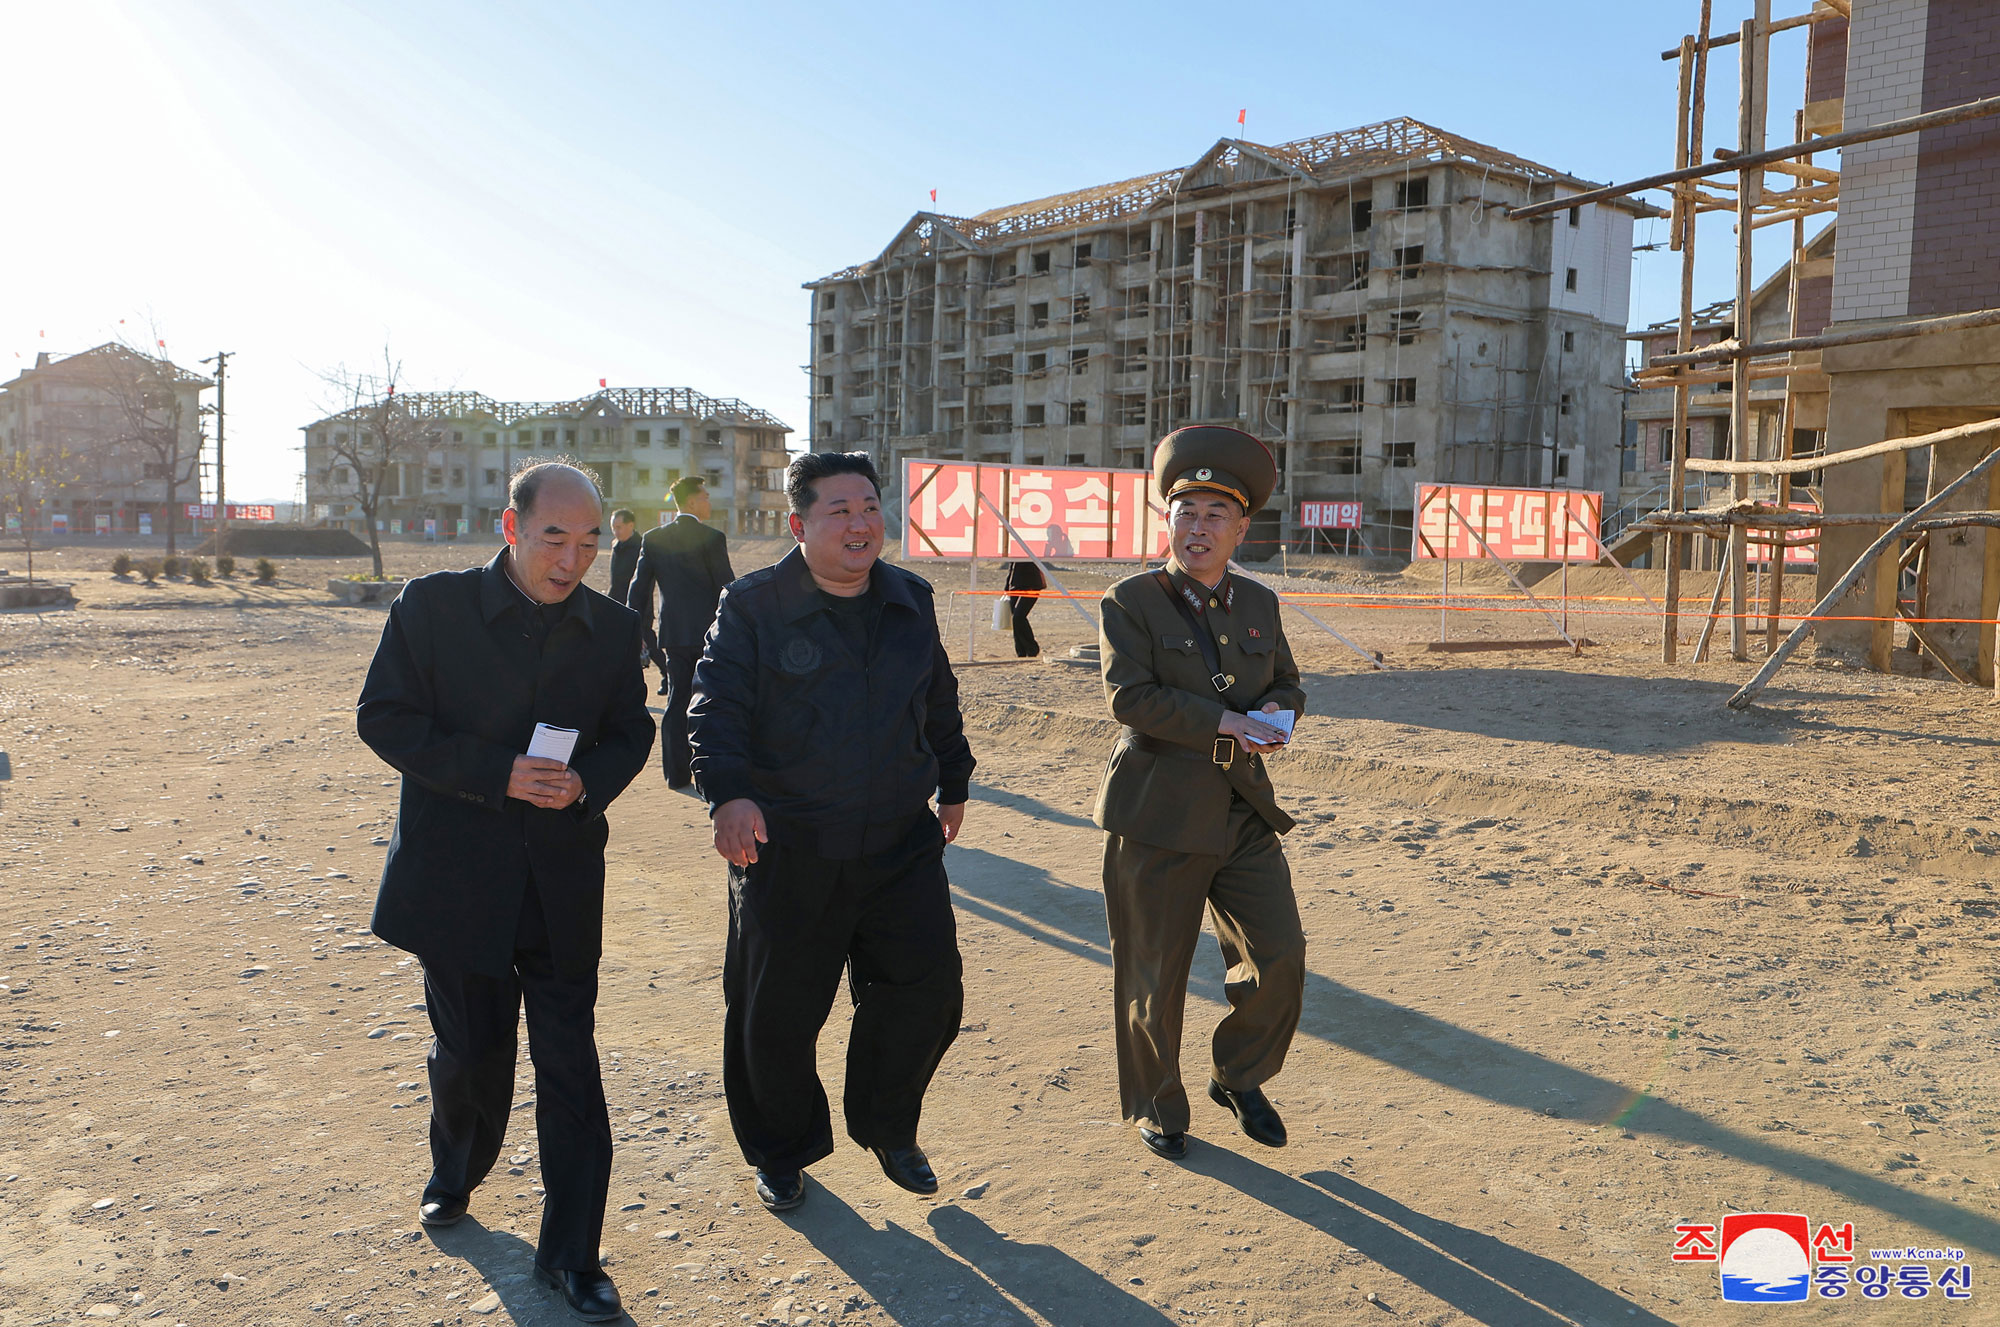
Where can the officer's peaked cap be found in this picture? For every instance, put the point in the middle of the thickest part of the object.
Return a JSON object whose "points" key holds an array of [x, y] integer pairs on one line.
{"points": [[1212, 458]]}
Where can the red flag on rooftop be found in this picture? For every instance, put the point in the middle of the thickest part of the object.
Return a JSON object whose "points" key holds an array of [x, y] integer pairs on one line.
{"points": [[933, 195], [163, 345], [601, 382], [1242, 116]]}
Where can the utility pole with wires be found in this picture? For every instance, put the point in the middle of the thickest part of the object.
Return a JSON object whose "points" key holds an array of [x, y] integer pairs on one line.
{"points": [[221, 361]]}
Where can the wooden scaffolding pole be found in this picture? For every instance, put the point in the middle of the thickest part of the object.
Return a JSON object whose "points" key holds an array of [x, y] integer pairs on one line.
{"points": [[1693, 92], [1750, 116]]}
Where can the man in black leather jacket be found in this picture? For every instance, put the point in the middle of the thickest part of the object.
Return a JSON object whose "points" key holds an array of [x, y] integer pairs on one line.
{"points": [[825, 718]]}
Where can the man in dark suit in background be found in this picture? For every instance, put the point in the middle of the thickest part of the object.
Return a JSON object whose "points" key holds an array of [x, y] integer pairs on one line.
{"points": [[495, 872], [689, 562], [624, 553]]}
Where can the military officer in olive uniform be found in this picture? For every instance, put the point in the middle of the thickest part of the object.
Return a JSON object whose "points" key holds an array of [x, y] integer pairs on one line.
{"points": [[1193, 657]]}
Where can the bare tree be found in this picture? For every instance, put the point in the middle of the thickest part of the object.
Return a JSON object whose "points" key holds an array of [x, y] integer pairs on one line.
{"points": [[371, 435], [152, 399], [30, 477]]}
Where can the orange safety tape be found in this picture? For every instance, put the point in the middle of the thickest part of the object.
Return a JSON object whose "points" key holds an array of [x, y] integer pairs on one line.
{"points": [[1489, 607]]}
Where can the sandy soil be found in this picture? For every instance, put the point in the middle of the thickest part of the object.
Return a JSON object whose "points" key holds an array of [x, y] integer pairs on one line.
{"points": [[1591, 956]]}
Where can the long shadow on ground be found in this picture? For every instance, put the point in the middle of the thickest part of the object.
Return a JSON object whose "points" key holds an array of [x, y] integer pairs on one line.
{"points": [[917, 1284], [1036, 904], [1484, 1278]]}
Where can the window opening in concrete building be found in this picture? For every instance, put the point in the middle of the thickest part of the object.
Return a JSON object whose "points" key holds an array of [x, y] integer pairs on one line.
{"points": [[1569, 342], [999, 370], [492, 477], [1562, 466], [1077, 458], [1569, 279], [826, 343], [1039, 262], [1402, 391], [1082, 254], [829, 299], [1408, 259], [826, 384], [1563, 408], [672, 437], [1343, 458], [1038, 416], [1079, 361], [713, 437], [548, 437], [1405, 323], [1576, 216], [645, 478], [1350, 336], [1132, 411], [1038, 315], [1038, 363], [1079, 309], [1400, 454], [1077, 413], [1363, 213], [1413, 193], [1343, 397]]}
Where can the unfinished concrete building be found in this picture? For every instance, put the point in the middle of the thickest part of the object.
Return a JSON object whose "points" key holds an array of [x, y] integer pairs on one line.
{"points": [[1358, 299], [638, 440]]}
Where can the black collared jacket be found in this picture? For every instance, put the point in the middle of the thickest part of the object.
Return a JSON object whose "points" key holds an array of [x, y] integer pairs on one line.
{"points": [[453, 695], [825, 743], [689, 562]]}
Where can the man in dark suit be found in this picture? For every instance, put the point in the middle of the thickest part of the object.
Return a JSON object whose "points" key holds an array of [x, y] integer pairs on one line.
{"points": [[495, 872], [624, 553], [689, 562]]}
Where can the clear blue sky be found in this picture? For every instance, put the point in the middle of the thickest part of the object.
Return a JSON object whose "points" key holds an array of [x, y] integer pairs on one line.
{"points": [[521, 199]]}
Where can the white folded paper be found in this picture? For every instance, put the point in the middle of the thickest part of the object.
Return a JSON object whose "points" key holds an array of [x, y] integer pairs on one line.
{"points": [[552, 743], [1281, 719]]}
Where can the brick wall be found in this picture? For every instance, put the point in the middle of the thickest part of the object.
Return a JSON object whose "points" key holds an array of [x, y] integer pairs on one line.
{"points": [[1878, 181], [1826, 60], [1955, 236]]}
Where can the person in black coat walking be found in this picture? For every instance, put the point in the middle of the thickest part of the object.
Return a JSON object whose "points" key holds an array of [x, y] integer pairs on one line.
{"points": [[495, 871], [825, 719], [689, 563], [624, 553], [1024, 576]]}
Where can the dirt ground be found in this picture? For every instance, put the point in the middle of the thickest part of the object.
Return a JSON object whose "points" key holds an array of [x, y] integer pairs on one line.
{"points": [[1591, 956]]}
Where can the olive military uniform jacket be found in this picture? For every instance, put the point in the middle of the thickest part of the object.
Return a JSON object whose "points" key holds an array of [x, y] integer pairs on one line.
{"points": [[1162, 785]]}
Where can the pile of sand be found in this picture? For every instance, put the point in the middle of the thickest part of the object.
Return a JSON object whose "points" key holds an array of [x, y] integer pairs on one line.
{"points": [[291, 541]]}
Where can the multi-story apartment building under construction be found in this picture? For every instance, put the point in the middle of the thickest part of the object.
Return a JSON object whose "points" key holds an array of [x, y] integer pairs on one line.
{"points": [[1359, 299], [455, 451]]}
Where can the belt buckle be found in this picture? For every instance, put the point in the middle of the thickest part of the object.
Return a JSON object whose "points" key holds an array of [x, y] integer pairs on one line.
{"points": [[1223, 752]]}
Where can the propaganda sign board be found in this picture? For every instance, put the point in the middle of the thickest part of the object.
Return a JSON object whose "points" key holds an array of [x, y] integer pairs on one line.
{"points": [[1329, 516], [968, 509], [1525, 524]]}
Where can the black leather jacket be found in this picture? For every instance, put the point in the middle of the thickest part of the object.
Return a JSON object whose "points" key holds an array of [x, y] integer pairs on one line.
{"points": [[827, 744]]}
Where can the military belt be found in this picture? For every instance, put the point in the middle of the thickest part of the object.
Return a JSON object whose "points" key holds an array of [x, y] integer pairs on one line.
{"points": [[1222, 753]]}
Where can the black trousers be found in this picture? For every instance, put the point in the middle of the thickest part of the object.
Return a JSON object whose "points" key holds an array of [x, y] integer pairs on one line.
{"points": [[472, 1087], [795, 919], [1025, 644], [675, 753]]}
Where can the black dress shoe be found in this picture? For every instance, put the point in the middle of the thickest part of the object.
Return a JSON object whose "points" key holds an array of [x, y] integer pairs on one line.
{"points": [[1172, 1146], [442, 1211], [1253, 1110], [908, 1168], [781, 1190], [663, 688], [587, 1295]]}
